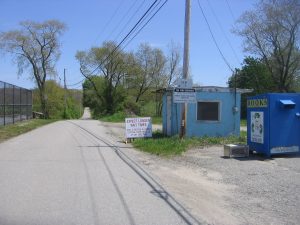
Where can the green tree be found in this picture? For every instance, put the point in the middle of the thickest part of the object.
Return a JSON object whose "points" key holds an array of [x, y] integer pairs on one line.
{"points": [[173, 64], [254, 75], [109, 63], [54, 95], [147, 71], [35, 46], [271, 31]]}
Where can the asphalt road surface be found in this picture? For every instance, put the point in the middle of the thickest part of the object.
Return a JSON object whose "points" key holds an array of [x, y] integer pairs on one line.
{"points": [[72, 172]]}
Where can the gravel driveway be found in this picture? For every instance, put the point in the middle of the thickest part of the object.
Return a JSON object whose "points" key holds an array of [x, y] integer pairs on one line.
{"points": [[253, 190]]}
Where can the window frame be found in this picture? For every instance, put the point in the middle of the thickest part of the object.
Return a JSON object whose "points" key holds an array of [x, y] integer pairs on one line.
{"points": [[219, 110]]}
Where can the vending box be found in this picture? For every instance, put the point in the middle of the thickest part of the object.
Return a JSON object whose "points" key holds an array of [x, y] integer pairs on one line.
{"points": [[273, 123]]}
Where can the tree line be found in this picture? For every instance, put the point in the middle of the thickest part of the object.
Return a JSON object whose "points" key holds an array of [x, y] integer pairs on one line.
{"points": [[116, 80], [271, 34]]}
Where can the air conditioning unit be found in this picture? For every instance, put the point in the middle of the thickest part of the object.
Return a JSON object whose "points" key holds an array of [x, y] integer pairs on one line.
{"points": [[232, 150]]}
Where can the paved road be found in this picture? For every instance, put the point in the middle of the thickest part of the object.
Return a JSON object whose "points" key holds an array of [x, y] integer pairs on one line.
{"points": [[71, 172]]}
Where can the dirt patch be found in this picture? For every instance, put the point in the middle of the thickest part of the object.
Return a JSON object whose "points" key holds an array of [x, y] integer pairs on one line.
{"points": [[254, 190]]}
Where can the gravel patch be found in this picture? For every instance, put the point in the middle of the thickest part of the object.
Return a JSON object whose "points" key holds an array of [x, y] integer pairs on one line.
{"points": [[218, 190]]}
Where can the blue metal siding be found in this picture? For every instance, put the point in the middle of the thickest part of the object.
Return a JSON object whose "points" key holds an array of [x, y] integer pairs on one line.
{"points": [[229, 123], [284, 125], [281, 125]]}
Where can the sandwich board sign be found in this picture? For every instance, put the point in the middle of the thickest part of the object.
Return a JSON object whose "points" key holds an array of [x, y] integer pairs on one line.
{"points": [[140, 127]]}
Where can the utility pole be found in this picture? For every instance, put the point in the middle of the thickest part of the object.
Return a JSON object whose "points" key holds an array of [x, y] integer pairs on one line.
{"points": [[186, 62], [65, 94]]}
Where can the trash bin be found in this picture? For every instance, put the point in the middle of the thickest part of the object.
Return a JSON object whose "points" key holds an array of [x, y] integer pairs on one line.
{"points": [[273, 123]]}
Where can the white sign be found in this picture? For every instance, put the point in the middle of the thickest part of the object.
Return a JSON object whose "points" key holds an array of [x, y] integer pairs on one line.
{"points": [[284, 149], [184, 83], [184, 95], [138, 127], [257, 127]]}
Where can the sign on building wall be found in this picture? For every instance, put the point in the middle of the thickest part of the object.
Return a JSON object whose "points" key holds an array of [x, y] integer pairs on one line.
{"points": [[184, 95], [138, 127], [257, 127]]}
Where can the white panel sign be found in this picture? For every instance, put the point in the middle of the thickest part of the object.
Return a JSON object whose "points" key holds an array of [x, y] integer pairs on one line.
{"points": [[184, 83], [138, 127], [183, 95], [257, 127]]}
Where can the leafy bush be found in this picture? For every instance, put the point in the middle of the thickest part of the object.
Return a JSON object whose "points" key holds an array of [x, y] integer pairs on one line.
{"points": [[55, 101]]}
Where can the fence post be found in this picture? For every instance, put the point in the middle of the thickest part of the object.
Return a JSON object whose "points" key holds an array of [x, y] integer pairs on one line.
{"points": [[21, 104], [4, 105], [27, 105], [13, 104]]}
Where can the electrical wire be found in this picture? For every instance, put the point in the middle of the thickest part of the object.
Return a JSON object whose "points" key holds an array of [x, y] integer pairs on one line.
{"points": [[74, 84], [230, 10], [109, 21], [122, 19], [124, 39], [130, 19], [214, 39], [145, 24], [140, 29], [221, 28]]}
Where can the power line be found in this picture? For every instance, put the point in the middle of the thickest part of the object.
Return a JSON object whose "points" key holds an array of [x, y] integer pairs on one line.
{"points": [[109, 21], [130, 19], [140, 29], [213, 37], [145, 24], [79, 82], [221, 28], [122, 19], [230, 10], [128, 34]]}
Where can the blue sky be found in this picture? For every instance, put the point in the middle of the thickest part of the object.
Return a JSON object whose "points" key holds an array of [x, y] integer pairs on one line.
{"points": [[90, 22]]}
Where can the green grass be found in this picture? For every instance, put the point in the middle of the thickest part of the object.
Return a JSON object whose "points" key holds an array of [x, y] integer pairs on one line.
{"points": [[243, 122], [156, 120], [114, 118], [119, 117], [12, 130], [169, 146]]}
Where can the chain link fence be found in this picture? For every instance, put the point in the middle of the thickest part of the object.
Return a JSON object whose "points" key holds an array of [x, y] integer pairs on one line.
{"points": [[15, 103]]}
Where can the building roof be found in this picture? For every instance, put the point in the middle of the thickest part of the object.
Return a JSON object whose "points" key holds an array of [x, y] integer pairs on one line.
{"points": [[209, 89]]}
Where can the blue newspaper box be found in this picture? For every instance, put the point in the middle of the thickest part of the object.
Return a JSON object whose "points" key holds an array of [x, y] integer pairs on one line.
{"points": [[273, 123]]}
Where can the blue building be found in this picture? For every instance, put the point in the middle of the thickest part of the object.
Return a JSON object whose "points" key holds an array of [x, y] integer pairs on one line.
{"points": [[216, 112]]}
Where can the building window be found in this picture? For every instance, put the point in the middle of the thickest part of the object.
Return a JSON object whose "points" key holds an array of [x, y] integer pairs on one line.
{"points": [[208, 111]]}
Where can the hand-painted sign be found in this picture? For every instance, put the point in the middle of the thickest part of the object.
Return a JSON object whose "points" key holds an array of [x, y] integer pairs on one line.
{"points": [[257, 103], [257, 127], [138, 127]]}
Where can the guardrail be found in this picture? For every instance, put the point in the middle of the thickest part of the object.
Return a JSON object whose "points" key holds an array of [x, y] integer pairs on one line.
{"points": [[15, 103]]}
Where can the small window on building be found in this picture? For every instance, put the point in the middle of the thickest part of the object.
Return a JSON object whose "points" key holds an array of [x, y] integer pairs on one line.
{"points": [[208, 111]]}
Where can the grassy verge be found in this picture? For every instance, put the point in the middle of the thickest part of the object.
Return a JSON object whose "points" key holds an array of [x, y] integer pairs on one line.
{"points": [[16, 129], [120, 118], [243, 122], [169, 146], [114, 118]]}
